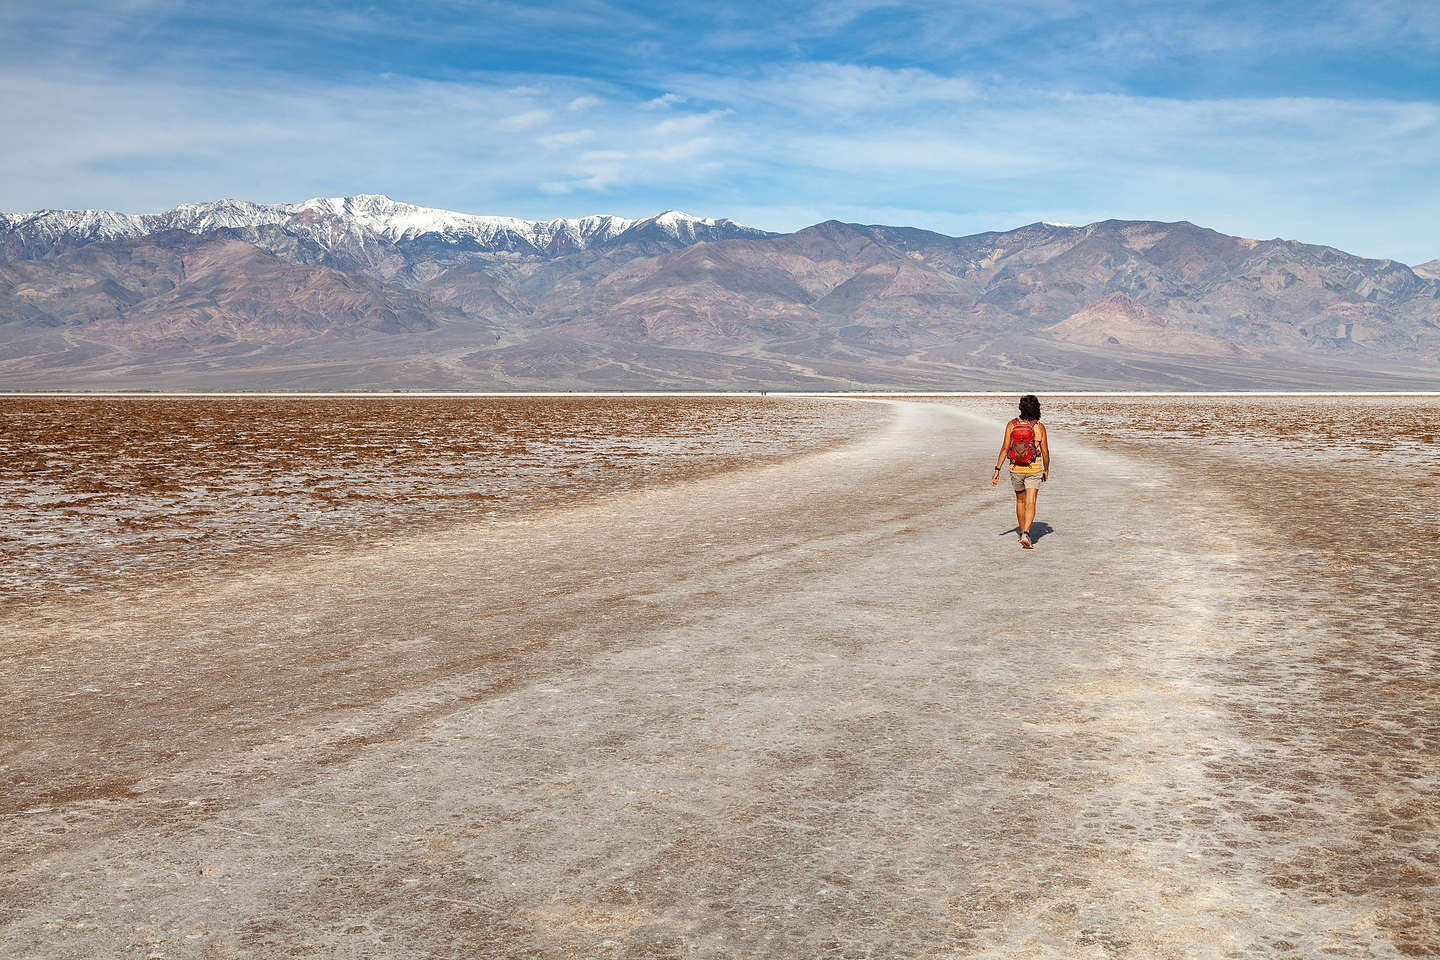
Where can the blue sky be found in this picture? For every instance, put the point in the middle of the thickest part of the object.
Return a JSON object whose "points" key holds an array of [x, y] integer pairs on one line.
{"points": [[1317, 121]]}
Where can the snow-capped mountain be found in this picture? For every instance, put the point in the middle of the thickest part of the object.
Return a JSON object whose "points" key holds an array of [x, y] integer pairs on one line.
{"points": [[367, 292], [333, 220]]}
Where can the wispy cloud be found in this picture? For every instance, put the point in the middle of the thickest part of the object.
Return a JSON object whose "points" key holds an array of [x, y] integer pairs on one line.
{"points": [[565, 138], [830, 90], [525, 120]]}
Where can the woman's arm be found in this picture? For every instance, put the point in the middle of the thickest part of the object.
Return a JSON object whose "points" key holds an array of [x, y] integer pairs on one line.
{"points": [[1044, 452], [1004, 447]]}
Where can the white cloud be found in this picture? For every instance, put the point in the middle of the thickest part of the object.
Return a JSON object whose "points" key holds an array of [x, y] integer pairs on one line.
{"points": [[683, 150], [568, 138], [832, 91], [685, 125], [526, 120]]}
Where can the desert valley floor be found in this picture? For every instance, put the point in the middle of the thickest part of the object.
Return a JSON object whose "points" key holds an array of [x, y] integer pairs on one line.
{"points": [[805, 699]]}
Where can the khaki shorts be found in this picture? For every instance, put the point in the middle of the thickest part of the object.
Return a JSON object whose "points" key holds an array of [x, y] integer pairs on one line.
{"points": [[1024, 481]]}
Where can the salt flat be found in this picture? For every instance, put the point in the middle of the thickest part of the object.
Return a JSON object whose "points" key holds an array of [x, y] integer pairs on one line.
{"points": [[823, 707]]}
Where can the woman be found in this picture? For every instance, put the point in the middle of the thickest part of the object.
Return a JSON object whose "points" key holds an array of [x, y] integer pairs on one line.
{"points": [[1028, 451]]}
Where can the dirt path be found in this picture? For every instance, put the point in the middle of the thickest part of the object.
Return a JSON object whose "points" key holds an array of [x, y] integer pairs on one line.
{"points": [[824, 708]]}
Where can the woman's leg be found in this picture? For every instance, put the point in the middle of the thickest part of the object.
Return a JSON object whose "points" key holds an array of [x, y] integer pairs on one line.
{"points": [[1031, 495], [1020, 509]]}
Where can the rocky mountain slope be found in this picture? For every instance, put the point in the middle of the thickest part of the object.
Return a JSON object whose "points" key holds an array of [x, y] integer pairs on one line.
{"points": [[1119, 320], [365, 292]]}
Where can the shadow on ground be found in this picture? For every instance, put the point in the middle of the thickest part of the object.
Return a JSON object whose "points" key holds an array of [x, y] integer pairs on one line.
{"points": [[1037, 530]]}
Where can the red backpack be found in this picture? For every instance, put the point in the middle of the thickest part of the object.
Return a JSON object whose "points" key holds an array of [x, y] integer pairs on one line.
{"points": [[1024, 450]]}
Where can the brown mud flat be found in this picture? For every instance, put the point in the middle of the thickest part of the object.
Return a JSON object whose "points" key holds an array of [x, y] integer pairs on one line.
{"points": [[99, 490], [820, 707]]}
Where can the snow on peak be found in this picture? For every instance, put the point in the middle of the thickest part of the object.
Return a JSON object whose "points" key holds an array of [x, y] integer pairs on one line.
{"points": [[50, 225], [395, 221], [326, 218], [220, 214], [684, 227]]}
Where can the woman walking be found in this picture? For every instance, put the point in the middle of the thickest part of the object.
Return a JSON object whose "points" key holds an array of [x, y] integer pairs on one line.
{"points": [[1028, 451]]}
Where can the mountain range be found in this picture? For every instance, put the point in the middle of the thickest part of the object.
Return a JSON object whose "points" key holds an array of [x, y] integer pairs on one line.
{"points": [[368, 293]]}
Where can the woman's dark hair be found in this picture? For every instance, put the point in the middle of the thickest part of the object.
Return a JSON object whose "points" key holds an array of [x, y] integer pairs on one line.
{"points": [[1029, 407]]}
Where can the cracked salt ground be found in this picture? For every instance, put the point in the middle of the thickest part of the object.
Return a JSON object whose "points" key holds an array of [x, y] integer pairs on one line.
{"points": [[856, 723]]}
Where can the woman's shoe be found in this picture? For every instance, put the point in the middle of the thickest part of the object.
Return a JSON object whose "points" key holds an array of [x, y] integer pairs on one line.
{"points": [[1025, 540]]}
